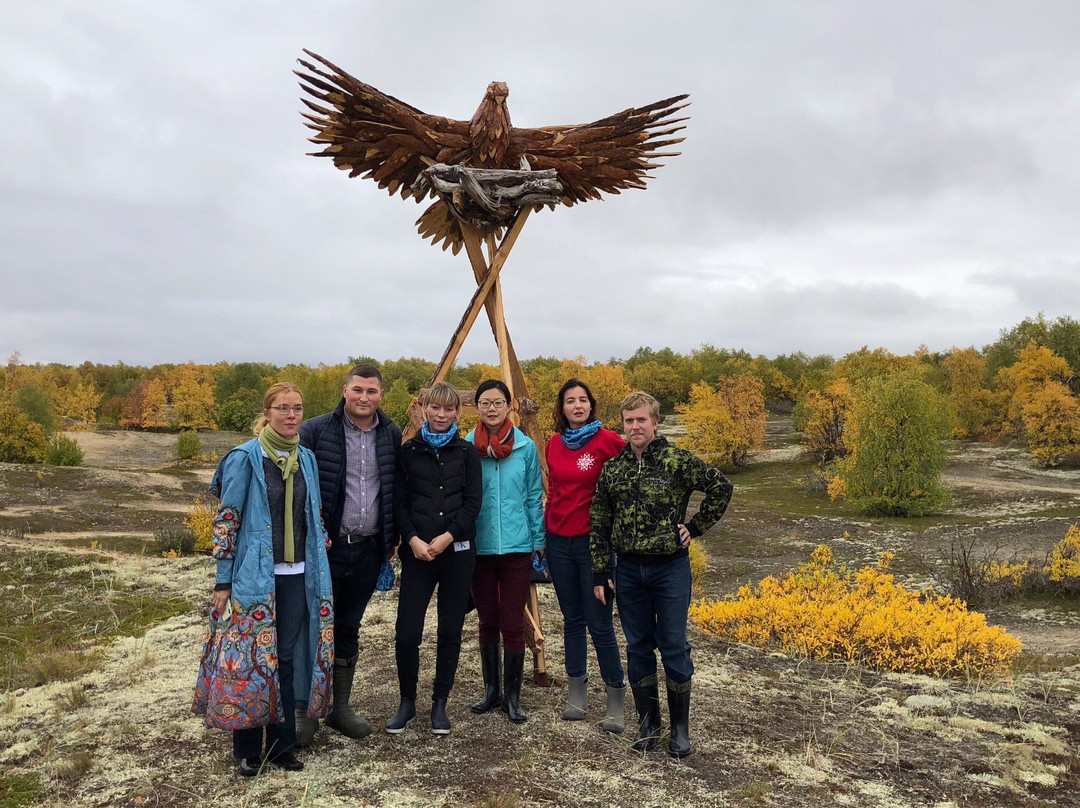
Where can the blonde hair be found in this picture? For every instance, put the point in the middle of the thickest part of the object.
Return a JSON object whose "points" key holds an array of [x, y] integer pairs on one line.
{"points": [[279, 389], [443, 394], [639, 399]]}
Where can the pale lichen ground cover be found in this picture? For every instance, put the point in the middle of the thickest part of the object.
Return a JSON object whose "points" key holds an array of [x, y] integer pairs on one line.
{"points": [[769, 730]]}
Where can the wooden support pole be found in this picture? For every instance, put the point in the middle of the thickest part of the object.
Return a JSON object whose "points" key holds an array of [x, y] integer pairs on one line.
{"points": [[471, 238], [479, 298], [485, 271], [534, 638], [487, 275], [500, 330]]}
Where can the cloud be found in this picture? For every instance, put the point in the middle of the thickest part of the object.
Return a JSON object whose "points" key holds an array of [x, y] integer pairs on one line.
{"points": [[852, 174]]}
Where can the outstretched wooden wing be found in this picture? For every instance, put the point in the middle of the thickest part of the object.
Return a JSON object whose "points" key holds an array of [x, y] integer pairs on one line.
{"points": [[374, 135], [605, 156]]}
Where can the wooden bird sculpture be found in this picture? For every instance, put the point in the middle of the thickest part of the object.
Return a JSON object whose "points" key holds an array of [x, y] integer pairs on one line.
{"points": [[374, 135]]}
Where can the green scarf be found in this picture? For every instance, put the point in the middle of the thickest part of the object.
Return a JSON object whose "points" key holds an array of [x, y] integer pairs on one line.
{"points": [[272, 443]]}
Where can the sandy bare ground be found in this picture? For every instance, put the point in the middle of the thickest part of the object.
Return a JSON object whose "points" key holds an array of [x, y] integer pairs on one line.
{"points": [[125, 449]]}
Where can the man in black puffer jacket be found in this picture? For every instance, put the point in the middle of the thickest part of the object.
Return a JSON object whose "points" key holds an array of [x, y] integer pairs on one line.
{"points": [[356, 448]]}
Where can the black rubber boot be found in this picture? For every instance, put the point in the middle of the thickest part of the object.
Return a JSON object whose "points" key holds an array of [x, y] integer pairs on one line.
{"points": [[678, 699], [440, 722], [489, 666], [406, 712], [305, 727], [513, 665], [343, 719], [647, 700]]}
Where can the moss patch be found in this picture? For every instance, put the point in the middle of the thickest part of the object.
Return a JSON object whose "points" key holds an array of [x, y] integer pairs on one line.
{"points": [[57, 608], [19, 790]]}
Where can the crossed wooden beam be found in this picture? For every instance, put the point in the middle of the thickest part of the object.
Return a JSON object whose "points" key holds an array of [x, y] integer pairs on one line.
{"points": [[488, 296]]}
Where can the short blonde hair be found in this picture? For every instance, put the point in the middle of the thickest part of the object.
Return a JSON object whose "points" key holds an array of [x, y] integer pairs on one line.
{"points": [[275, 390], [638, 399], [444, 394]]}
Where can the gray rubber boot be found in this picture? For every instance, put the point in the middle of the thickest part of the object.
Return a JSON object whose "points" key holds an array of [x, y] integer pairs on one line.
{"points": [[343, 719], [305, 727], [578, 698], [614, 720]]}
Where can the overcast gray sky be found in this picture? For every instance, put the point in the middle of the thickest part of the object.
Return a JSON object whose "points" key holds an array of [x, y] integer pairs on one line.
{"points": [[855, 173]]}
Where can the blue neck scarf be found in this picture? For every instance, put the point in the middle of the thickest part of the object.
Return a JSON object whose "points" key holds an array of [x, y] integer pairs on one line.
{"points": [[576, 438], [437, 440]]}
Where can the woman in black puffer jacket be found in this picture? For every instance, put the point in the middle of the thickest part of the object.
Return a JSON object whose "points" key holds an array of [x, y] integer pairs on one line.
{"points": [[438, 490]]}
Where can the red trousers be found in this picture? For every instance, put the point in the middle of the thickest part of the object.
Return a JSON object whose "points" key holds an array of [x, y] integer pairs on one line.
{"points": [[500, 587]]}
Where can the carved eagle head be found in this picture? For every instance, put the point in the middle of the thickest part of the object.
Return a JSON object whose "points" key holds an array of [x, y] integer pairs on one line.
{"points": [[489, 129]]}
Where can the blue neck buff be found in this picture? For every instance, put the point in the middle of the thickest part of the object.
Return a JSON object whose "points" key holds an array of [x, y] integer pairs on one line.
{"points": [[437, 440], [576, 438]]}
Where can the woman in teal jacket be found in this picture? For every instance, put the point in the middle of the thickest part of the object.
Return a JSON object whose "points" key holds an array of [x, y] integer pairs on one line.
{"points": [[274, 654], [509, 531]]}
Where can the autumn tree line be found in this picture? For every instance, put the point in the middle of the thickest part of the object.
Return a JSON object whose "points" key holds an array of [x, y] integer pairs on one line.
{"points": [[874, 421]]}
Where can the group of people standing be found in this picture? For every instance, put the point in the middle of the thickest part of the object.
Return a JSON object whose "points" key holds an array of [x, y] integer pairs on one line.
{"points": [[467, 518]]}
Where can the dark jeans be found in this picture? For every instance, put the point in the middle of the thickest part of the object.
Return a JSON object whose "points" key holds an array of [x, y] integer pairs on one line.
{"points": [[290, 620], [570, 563], [653, 602], [354, 581], [451, 572], [500, 588]]}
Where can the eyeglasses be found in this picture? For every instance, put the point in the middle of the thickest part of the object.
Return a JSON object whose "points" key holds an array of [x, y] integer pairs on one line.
{"points": [[491, 405], [285, 408]]}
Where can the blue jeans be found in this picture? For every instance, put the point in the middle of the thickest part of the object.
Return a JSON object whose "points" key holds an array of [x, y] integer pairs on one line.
{"points": [[570, 563], [291, 622], [653, 602]]}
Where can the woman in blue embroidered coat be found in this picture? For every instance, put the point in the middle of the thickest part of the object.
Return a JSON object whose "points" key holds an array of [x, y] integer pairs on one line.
{"points": [[275, 652]]}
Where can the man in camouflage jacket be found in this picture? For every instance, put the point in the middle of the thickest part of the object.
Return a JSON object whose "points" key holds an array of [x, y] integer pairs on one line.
{"points": [[639, 514]]}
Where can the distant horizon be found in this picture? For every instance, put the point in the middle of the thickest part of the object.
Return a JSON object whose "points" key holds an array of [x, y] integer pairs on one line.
{"points": [[495, 359]]}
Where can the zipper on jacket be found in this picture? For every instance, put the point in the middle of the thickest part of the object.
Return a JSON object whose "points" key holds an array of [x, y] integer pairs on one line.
{"points": [[498, 503]]}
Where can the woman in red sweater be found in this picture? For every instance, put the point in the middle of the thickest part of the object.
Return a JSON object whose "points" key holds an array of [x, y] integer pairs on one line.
{"points": [[575, 455]]}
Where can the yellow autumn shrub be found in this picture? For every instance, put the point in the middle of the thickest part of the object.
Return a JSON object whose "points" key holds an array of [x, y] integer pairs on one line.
{"points": [[1018, 574], [699, 565], [200, 521], [1057, 573], [1064, 565], [824, 611]]}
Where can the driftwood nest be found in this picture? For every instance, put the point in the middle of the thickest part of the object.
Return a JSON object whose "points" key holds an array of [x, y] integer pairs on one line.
{"points": [[489, 198]]}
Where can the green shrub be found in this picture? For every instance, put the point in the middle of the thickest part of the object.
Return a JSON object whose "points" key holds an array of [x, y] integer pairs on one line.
{"points": [[63, 451], [239, 411], [32, 401], [396, 402], [174, 541], [188, 445], [895, 452]]}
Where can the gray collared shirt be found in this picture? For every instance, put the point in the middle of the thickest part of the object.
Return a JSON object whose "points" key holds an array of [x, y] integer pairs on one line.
{"points": [[361, 514]]}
